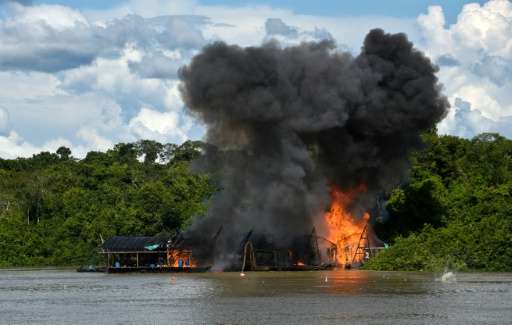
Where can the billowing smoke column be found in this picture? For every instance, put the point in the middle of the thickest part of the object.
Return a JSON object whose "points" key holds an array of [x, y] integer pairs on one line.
{"points": [[283, 124]]}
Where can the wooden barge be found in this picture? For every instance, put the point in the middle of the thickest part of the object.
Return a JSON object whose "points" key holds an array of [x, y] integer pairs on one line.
{"points": [[255, 252], [124, 254]]}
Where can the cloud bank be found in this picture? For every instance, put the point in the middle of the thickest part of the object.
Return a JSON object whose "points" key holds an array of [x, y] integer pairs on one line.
{"points": [[475, 56], [90, 79]]}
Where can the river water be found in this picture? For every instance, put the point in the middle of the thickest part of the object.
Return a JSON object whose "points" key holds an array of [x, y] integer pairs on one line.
{"points": [[333, 297]]}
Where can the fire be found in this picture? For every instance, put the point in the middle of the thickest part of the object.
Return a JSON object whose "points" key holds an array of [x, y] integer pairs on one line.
{"points": [[180, 258], [345, 230]]}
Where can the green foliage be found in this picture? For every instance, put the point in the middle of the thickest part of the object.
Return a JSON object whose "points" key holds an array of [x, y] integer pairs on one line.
{"points": [[456, 209], [54, 209]]}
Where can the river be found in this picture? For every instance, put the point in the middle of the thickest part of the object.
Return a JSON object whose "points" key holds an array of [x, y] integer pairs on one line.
{"points": [[331, 297]]}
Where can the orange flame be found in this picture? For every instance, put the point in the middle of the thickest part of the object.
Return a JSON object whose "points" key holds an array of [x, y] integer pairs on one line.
{"points": [[344, 229], [180, 258]]}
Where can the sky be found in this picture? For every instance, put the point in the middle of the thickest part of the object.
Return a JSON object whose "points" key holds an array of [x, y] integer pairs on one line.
{"points": [[90, 74], [396, 8]]}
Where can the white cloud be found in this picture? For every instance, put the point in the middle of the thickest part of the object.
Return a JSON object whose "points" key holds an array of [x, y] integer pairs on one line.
{"points": [[475, 55], [53, 38], [56, 17], [66, 77], [468, 122], [45, 38], [28, 85], [479, 31], [13, 146], [91, 79], [245, 24], [277, 29], [4, 121], [113, 78], [93, 140], [56, 116], [151, 124]]}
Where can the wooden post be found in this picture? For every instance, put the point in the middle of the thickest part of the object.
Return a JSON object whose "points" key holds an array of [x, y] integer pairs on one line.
{"points": [[108, 261], [167, 255], [137, 259]]}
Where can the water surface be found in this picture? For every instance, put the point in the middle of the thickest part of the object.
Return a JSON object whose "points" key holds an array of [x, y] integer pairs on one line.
{"points": [[333, 297]]}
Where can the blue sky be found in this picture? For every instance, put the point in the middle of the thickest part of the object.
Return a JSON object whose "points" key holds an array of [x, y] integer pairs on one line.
{"points": [[90, 74], [397, 8]]}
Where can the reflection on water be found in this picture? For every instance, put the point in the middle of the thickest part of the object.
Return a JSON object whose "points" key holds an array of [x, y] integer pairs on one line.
{"points": [[334, 297]]}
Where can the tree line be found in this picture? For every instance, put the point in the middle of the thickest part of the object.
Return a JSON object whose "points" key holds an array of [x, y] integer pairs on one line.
{"points": [[56, 210], [455, 210]]}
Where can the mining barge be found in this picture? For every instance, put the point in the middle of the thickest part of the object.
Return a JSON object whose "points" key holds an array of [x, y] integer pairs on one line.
{"points": [[178, 253]]}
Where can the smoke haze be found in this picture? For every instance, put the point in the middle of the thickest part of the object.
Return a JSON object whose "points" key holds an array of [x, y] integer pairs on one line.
{"points": [[283, 124]]}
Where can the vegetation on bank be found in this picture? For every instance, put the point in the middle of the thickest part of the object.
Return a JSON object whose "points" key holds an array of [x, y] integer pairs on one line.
{"points": [[54, 209], [455, 211]]}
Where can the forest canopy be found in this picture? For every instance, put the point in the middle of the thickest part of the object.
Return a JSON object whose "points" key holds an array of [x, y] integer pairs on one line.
{"points": [[454, 211], [55, 210]]}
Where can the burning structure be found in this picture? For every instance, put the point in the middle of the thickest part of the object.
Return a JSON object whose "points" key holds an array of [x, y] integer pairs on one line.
{"points": [[142, 253], [300, 138], [307, 137], [353, 238]]}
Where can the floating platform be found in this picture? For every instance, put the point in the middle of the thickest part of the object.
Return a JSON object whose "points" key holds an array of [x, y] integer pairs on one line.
{"points": [[161, 269], [166, 269], [130, 269]]}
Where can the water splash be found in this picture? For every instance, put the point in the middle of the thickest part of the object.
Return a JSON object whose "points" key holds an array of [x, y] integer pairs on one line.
{"points": [[447, 276]]}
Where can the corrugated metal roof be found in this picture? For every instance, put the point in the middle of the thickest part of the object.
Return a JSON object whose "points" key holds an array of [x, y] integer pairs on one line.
{"points": [[133, 243]]}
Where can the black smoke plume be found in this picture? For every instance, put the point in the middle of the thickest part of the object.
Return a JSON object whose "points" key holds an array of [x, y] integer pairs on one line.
{"points": [[283, 124]]}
